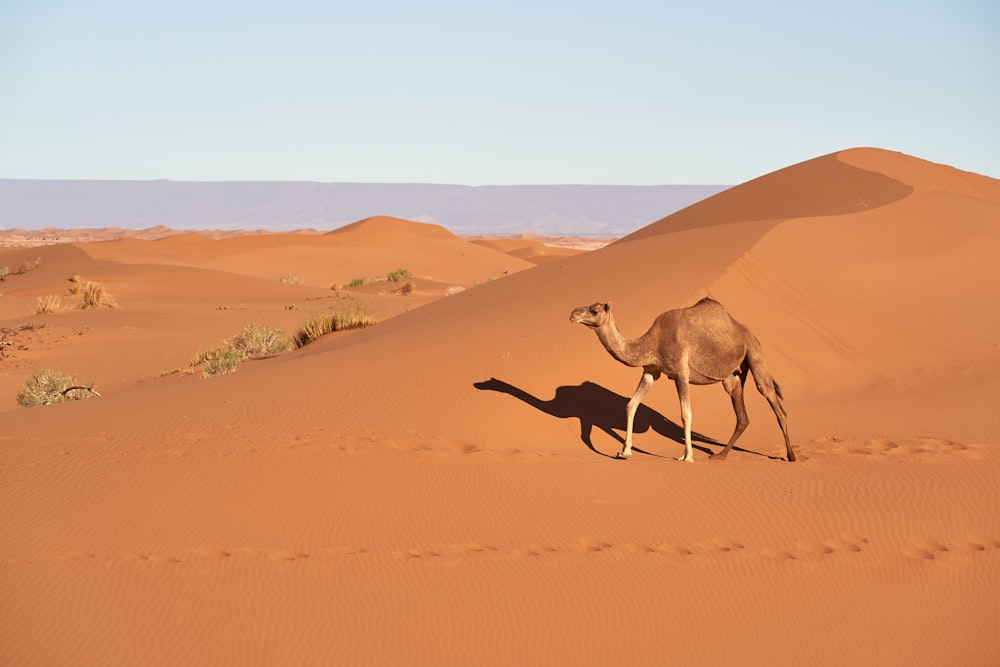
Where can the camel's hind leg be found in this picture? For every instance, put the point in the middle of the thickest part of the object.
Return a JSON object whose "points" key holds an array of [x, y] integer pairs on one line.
{"points": [[734, 387], [772, 392]]}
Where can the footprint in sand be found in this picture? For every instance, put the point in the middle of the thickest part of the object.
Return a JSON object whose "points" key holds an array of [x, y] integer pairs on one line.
{"points": [[535, 549], [719, 546], [346, 551], [675, 549], [155, 558], [415, 553], [778, 553], [211, 552], [928, 548], [590, 546], [976, 543], [288, 555]]}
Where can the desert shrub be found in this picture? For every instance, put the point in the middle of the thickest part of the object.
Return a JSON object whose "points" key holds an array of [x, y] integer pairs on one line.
{"points": [[454, 289], [406, 289], [292, 278], [94, 296], [76, 287], [50, 303], [327, 321], [46, 387], [28, 266], [220, 361], [397, 275], [357, 282], [252, 342], [258, 341]]}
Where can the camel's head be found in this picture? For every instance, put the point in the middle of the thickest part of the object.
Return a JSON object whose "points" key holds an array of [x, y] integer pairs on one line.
{"points": [[594, 315]]}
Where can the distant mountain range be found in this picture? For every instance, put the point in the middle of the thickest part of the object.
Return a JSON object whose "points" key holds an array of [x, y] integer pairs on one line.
{"points": [[550, 210]]}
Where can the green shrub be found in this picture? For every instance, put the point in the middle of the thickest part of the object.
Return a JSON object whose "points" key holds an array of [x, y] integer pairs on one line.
{"points": [[221, 361], [46, 387], [252, 342], [333, 319], [397, 275], [357, 282]]}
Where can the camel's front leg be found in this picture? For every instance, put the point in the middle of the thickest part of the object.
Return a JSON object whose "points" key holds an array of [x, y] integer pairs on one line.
{"points": [[684, 393], [645, 382]]}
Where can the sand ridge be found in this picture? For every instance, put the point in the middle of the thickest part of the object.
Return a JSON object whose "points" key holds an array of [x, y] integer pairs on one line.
{"points": [[440, 488]]}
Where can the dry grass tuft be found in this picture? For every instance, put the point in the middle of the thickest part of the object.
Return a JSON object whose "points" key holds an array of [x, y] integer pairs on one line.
{"points": [[95, 295], [76, 287], [50, 303], [341, 318]]}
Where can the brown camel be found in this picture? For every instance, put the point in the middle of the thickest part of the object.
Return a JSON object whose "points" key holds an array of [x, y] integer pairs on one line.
{"points": [[702, 344]]}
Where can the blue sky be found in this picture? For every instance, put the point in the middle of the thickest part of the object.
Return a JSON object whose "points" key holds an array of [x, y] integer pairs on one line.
{"points": [[466, 92]]}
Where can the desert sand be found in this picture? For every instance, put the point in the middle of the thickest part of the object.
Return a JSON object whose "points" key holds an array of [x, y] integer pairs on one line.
{"points": [[440, 488]]}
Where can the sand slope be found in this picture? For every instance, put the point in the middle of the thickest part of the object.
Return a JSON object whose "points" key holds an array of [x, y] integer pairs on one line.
{"points": [[439, 488]]}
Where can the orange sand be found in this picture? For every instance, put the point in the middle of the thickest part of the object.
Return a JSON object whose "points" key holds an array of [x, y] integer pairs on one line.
{"points": [[439, 488]]}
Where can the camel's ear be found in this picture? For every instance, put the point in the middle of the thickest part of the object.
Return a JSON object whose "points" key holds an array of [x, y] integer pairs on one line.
{"points": [[607, 307]]}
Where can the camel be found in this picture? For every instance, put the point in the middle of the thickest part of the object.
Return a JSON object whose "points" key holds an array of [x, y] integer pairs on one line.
{"points": [[701, 344]]}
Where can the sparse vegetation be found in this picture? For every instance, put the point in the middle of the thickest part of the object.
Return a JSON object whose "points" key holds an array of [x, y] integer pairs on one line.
{"points": [[50, 303], [453, 290], [75, 285], [46, 387], [221, 361], [398, 275], [406, 289], [357, 282], [257, 341], [26, 266], [292, 278], [95, 295], [252, 342], [341, 318]]}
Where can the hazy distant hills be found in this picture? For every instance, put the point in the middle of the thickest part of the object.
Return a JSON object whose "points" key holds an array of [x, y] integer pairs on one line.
{"points": [[595, 210]]}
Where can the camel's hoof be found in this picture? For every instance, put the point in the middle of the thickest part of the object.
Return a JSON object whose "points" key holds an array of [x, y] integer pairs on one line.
{"points": [[719, 457], [685, 459], [623, 456]]}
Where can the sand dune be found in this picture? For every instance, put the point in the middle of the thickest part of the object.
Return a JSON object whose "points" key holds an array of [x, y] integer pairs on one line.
{"points": [[439, 488]]}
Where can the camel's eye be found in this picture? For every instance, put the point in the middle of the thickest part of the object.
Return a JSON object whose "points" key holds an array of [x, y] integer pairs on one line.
{"points": [[594, 310]]}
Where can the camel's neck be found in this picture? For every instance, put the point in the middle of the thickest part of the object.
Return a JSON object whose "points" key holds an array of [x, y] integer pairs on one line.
{"points": [[628, 352]]}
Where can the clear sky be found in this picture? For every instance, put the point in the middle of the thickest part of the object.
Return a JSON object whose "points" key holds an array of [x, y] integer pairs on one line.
{"points": [[501, 92]]}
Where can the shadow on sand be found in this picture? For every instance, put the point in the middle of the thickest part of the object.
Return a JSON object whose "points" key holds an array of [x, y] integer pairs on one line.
{"points": [[596, 406]]}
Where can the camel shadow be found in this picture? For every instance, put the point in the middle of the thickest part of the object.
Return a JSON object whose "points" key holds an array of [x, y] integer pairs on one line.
{"points": [[598, 407]]}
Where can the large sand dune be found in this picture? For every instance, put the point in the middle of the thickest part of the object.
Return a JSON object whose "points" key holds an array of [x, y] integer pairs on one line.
{"points": [[439, 488]]}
